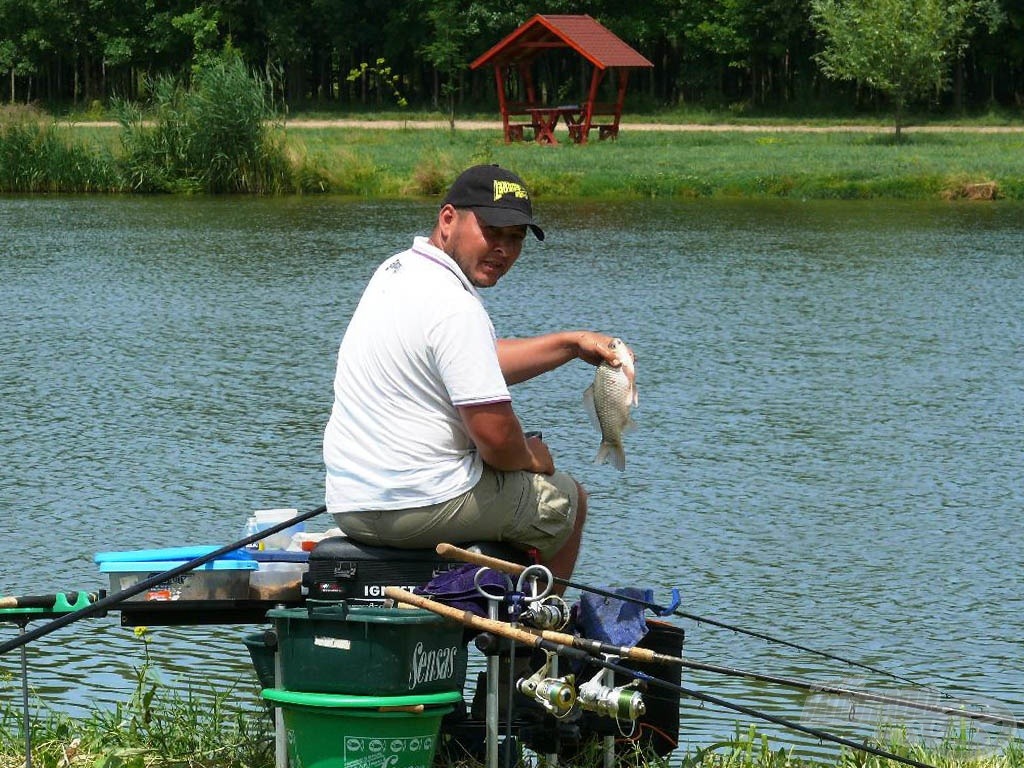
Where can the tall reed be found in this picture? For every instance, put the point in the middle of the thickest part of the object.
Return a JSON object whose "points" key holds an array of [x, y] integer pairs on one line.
{"points": [[219, 135], [37, 157]]}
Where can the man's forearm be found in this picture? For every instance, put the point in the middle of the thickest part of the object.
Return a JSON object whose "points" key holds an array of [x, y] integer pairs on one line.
{"points": [[522, 359], [499, 438]]}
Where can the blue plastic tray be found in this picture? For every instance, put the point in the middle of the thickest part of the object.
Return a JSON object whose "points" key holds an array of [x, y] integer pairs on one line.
{"points": [[171, 553], [155, 566]]}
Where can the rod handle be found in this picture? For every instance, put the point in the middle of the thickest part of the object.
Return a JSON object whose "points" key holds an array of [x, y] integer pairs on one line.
{"points": [[44, 601], [451, 552]]}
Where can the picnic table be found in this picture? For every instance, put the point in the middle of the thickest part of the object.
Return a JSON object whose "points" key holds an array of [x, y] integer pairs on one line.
{"points": [[544, 120]]}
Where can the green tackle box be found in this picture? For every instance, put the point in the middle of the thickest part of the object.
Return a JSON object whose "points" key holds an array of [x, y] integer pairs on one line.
{"points": [[368, 650]]}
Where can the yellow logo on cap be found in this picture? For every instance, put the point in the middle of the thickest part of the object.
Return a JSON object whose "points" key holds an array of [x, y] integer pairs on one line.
{"points": [[502, 188]]}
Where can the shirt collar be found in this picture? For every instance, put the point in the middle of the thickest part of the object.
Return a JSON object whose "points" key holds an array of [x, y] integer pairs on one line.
{"points": [[422, 246]]}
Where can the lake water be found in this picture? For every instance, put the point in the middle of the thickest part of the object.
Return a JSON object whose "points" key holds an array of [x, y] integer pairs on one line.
{"points": [[828, 446]]}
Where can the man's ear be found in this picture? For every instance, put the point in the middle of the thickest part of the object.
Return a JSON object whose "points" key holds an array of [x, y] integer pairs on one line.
{"points": [[445, 223]]}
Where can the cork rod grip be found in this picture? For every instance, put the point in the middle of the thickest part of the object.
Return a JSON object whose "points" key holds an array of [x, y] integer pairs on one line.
{"points": [[451, 552]]}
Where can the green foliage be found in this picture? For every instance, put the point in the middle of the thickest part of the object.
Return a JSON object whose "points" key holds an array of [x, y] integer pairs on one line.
{"points": [[212, 137], [903, 48], [746, 749], [450, 30], [200, 24], [379, 79], [36, 157]]}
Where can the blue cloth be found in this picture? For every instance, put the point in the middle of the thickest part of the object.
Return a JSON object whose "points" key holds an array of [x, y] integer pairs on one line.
{"points": [[457, 588], [610, 620]]}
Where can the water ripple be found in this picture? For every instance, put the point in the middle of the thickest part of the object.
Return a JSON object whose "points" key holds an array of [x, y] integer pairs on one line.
{"points": [[828, 444]]}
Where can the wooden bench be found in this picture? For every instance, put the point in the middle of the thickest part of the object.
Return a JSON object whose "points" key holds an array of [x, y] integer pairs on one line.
{"points": [[515, 131], [606, 129]]}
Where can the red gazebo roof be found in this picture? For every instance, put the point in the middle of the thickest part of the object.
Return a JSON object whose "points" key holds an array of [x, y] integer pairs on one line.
{"points": [[583, 34]]}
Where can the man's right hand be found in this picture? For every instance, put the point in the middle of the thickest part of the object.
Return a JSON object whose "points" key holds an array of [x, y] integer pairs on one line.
{"points": [[497, 434], [544, 464]]}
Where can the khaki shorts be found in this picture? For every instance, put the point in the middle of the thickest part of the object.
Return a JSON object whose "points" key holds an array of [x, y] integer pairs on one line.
{"points": [[521, 508]]}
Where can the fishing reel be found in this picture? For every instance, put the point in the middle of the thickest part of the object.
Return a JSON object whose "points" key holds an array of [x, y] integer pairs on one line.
{"points": [[551, 612], [556, 694], [621, 702]]}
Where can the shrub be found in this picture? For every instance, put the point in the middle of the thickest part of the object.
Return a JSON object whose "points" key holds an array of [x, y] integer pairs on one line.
{"points": [[214, 136]]}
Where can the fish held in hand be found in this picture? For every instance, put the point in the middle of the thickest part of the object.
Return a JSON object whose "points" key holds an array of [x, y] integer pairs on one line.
{"points": [[609, 401]]}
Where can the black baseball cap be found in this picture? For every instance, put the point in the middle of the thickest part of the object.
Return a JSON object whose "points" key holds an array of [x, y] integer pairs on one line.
{"points": [[498, 197]]}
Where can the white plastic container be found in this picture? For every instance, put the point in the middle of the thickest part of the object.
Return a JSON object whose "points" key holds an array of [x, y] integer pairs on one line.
{"points": [[267, 518]]}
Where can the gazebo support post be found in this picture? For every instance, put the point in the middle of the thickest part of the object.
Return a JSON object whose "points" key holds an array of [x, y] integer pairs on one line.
{"points": [[499, 82], [620, 100], [588, 111]]}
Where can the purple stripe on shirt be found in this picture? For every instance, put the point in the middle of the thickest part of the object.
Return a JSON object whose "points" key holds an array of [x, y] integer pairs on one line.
{"points": [[485, 402]]}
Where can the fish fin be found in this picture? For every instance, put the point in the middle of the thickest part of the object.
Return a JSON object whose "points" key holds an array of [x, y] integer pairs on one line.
{"points": [[591, 408], [629, 425], [636, 396], [614, 453]]}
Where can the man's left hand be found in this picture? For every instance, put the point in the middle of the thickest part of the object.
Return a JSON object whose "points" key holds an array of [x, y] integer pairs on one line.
{"points": [[596, 348]]}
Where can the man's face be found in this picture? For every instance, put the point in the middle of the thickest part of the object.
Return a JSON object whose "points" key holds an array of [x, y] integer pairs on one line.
{"points": [[484, 253]]}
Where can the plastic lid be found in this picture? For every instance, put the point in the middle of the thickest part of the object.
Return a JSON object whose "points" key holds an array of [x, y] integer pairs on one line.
{"points": [[155, 566], [280, 556], [169, 553], [363, 702], [342, 611]]}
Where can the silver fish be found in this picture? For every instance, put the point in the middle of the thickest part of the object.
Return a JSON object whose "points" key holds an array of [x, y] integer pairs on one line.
{"points": [[609, 401]]}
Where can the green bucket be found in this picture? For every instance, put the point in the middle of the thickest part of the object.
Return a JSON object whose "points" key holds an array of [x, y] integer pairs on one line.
{"points": [[262, 647], [368, 650], [331, 730]]}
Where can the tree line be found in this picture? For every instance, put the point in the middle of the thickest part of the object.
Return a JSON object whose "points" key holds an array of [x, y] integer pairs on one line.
{"points": [[358, 54]]}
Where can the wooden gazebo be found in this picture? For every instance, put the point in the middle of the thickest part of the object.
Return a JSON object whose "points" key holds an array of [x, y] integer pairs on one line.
{"points": [[597, 45]]}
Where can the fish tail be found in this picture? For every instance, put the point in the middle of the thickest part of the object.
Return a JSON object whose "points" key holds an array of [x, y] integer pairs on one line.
{"points": [[614, 453]]}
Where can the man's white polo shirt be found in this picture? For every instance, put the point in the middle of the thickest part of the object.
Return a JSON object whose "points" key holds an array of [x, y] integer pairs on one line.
{"points": [[419, 344]]}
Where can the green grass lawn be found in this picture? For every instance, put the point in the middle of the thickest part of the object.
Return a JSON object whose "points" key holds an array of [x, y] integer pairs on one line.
{"points": [[643, 164]]}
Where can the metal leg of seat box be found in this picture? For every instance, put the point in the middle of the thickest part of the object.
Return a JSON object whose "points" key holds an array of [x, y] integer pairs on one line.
{"points": [[280, 737], [609, 740], [24, 699], [491, 712]]}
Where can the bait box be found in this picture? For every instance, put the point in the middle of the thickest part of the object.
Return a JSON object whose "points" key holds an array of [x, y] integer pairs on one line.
{"points": [[279, 576], [221, 579]]}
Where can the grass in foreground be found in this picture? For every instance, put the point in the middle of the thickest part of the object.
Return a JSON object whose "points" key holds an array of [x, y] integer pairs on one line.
{"points": [[173, 731], [159, 727], [155, 727]]}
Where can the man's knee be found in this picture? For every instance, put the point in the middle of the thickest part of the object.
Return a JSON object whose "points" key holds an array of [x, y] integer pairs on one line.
{"points": [[581, 505]]}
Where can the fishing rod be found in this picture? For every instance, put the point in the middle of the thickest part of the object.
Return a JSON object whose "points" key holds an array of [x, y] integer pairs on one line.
{"points": [[455, 553], [646, 655], [842, 691], [43, 601], [529, 639], [110, 601]]}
